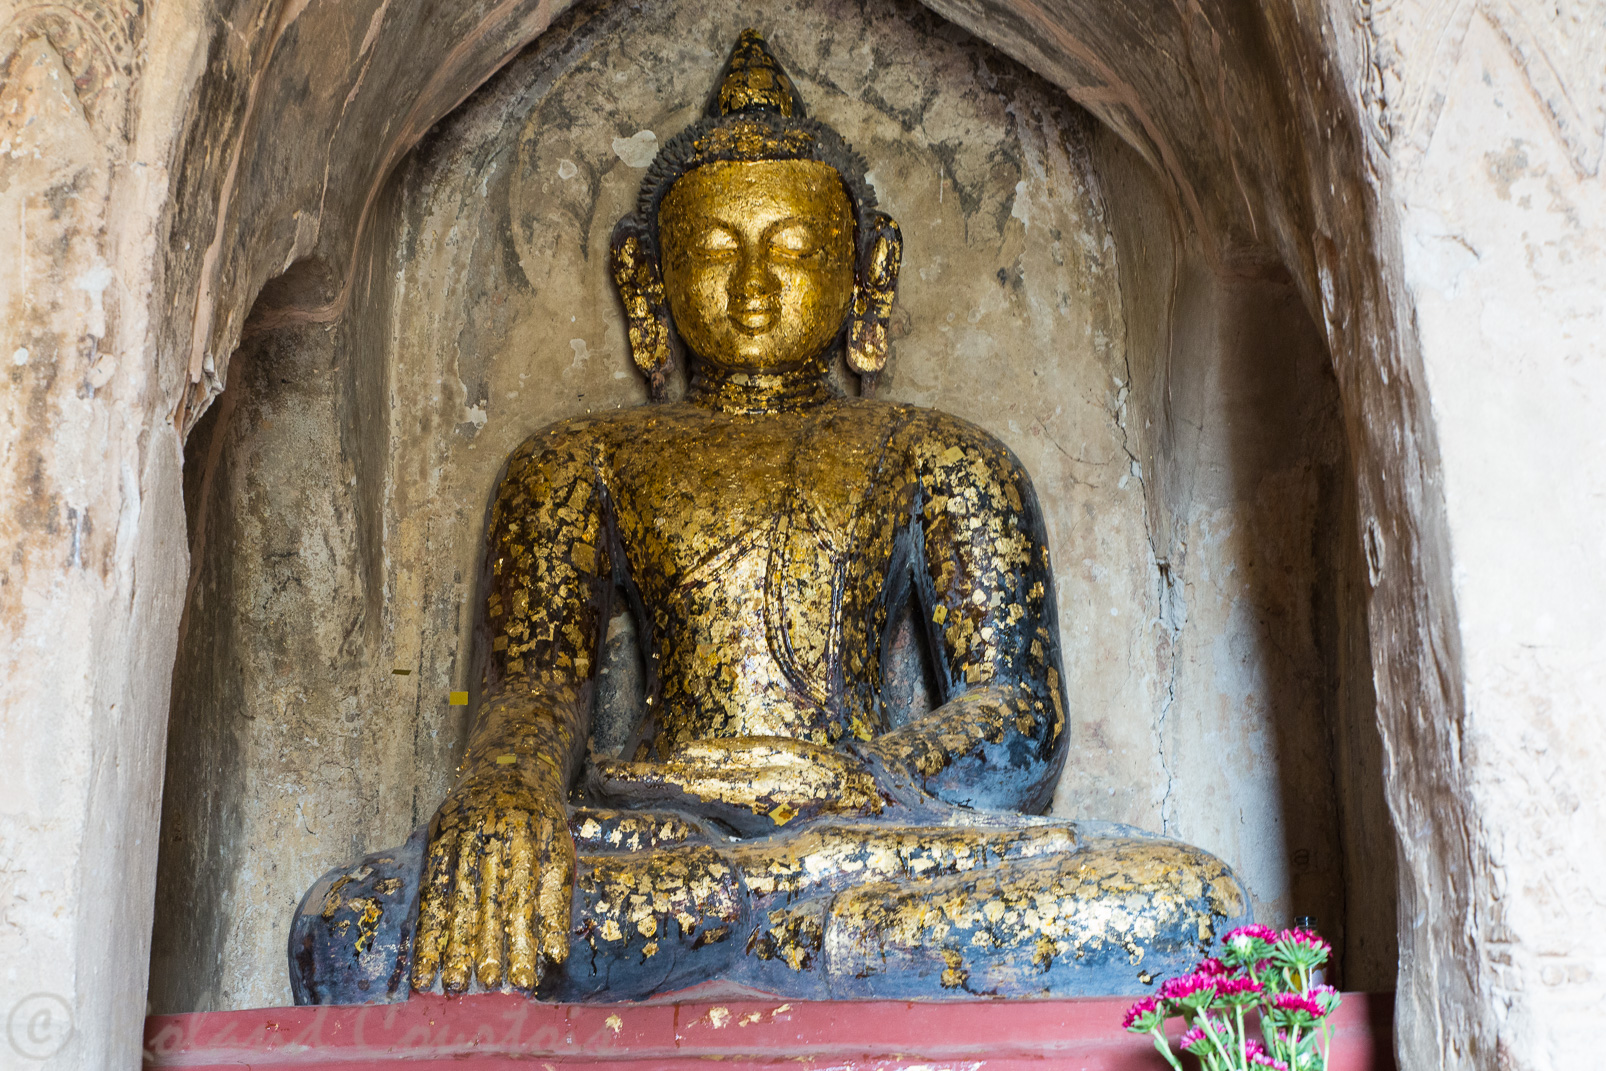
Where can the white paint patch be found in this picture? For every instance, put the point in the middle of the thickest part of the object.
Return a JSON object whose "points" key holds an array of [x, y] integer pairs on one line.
{"points": [[19, 356], [94, 283], [638, 149], [567, 169], [582, 353], [1021, 209]]}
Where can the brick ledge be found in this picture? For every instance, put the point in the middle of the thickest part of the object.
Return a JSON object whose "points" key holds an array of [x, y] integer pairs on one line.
{"points": [[496, 1031]]}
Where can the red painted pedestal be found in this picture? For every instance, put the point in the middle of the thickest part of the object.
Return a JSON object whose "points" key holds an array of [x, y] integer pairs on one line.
{"points": [[494, 1031]]}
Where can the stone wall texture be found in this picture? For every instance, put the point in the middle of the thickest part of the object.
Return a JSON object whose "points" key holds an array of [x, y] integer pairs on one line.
{"points": [[1409, 189]]}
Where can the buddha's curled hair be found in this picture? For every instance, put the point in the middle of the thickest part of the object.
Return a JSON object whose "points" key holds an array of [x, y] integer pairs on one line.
{"points": [[750, 137]]}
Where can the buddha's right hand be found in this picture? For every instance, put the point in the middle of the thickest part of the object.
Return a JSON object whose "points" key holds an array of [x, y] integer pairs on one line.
{"points": [[498, 884]]}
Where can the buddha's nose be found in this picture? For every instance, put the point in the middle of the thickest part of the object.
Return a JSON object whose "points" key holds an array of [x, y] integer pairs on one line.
{"points": [[753, 292]]}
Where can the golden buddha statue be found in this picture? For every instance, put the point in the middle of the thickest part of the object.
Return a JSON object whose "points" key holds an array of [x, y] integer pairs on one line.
{"points": [[768, 826]]}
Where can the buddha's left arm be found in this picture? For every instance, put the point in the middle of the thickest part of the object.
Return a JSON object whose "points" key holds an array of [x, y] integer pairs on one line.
{"points": [[986, 592]]}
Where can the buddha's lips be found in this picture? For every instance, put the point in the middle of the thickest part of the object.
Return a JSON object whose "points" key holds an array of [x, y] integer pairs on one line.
{"points": [[753, 320]]}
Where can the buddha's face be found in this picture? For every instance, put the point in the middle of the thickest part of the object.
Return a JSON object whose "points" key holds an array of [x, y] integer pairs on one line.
{"points": [[758, 261]]}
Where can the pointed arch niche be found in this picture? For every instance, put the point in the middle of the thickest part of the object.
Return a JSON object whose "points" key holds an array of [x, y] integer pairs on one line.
{"points": [[1104, 293]]}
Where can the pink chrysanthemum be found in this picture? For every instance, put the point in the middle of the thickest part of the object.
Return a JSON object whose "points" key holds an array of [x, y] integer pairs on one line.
{"points": [[1296, 1008], [1239, 991], [1211, 967], [1300, 950], [1247, 944], [1301, 936], [1305, 938], [1253, 931], [1195, 1040], [1143, 1016], [1190, 990], [1261, 1059]]}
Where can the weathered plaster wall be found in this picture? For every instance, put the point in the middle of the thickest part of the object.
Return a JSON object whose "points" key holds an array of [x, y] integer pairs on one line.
{"points": [[330, 616], [92, 573], [230, 140], [1498, 135]]}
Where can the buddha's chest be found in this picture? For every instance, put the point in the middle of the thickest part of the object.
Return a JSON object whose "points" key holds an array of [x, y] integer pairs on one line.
{"points": [[699, 500]]}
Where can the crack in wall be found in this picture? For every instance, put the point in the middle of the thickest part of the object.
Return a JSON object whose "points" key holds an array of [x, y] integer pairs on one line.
{"points": [[1167, 603]]}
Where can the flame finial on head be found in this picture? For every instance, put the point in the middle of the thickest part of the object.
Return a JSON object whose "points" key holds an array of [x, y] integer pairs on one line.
{"points": [[754, 81]]}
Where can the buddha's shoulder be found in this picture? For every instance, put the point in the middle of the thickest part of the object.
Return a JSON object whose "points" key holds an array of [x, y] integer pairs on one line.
{"points": [[937, 439], [589, 438]]}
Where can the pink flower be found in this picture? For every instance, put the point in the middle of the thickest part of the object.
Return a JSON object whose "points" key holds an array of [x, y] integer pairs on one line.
{"points": [[1143, 1016], [1247, 944], [1260, 1059], [1191, 990], [1195, 1040], [1300, 950], [1212, 967], [1304, 938], [1239, 991], [1296, 1008], [1253, 931]]}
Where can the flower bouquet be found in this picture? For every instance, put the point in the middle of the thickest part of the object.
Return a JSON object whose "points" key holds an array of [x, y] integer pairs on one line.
{"points": [[1263, 977]]}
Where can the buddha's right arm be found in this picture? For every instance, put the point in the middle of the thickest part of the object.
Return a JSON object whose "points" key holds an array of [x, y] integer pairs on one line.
{"points": [[498, 881]]}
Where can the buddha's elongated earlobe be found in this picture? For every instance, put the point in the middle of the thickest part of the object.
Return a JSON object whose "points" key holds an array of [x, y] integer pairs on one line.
{"points": [[641, 287], [875, 285]]}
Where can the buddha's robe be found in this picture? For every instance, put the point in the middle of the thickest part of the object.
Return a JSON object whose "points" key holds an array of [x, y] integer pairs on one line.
{"points": [[766, 555]]}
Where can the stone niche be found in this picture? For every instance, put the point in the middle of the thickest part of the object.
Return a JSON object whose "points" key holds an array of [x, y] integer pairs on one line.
{"points": [[1177, 412]]}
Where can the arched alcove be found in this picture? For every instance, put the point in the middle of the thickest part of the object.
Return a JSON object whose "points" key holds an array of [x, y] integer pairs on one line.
{"points": [[1158, 373]]}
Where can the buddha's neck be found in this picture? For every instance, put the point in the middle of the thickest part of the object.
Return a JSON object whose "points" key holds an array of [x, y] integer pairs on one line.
{"points": [[758, 392]]}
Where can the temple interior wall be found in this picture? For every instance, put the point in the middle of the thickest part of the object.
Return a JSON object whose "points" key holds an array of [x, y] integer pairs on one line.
{"points": [[1180, 419], [1428, 173]]}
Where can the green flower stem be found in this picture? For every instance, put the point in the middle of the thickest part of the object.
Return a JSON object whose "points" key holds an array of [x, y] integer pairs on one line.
{"points": [[1243, 1039], [1163, 1046], [1210, 1031], [1293, 1043]]}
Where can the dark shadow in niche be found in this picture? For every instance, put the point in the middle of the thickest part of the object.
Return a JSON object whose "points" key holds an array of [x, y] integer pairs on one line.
{"points": [[1280, 427], [249, 484], [1236, 414]]}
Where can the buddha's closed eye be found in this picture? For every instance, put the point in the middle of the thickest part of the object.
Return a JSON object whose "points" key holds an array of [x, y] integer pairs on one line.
{"points": [[796, 240], [716, 243]]}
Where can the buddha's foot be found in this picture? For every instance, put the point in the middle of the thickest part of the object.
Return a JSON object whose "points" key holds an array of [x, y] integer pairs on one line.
{"points": [[1115, 917]]}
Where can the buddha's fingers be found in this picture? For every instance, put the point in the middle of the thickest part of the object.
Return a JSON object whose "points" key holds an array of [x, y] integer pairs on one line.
{"points": [[488, 947], [457, 960], [556, 893], [433, 908], [518, 906]]}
